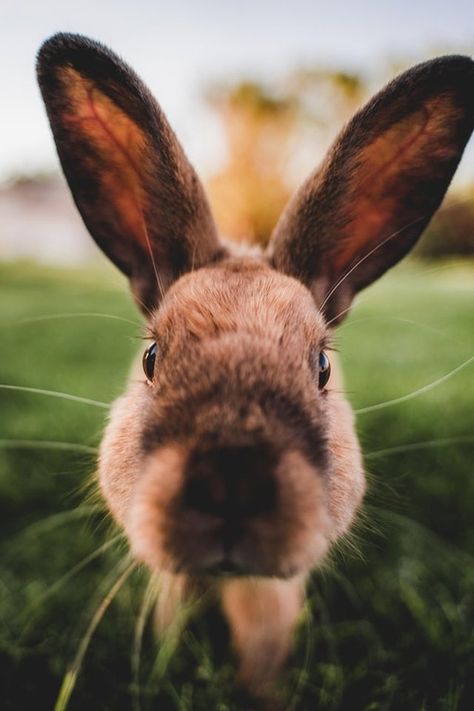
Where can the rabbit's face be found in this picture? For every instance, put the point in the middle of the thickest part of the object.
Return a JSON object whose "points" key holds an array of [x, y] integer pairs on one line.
{"points": [[245, 461]]}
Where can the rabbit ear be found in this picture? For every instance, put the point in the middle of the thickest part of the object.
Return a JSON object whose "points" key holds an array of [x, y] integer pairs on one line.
{"points": [[385, 175], [135, 189]]}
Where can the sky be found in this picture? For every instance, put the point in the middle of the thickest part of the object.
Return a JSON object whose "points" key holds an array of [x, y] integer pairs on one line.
{"points": [[179, 47]]}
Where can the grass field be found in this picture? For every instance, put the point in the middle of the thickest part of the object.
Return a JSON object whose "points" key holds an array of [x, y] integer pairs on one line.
{"points": [[388, 622]]}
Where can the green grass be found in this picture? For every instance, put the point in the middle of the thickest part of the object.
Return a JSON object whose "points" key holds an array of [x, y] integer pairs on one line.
{"points": [[389, 620]]}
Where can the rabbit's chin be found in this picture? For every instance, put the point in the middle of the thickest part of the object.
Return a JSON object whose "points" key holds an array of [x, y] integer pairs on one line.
{"points": [[291, 539]]}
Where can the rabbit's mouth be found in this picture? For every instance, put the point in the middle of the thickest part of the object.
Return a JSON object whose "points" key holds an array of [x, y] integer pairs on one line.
{"points": [[226, 567]]}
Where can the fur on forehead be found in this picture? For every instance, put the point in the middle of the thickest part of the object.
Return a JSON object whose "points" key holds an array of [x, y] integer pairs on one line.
{"points": [[240, 293]]}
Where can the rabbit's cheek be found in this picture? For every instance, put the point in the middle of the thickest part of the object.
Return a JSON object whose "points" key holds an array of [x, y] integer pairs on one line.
{"points": [[152, 504], [121, 456], [346, 486]]}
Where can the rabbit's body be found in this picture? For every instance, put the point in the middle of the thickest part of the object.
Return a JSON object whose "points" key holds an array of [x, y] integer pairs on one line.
{"points": [[233, 460]]}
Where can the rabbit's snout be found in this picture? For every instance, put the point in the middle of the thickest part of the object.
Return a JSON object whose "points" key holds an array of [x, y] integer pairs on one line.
{"points": [[232, 483], [244, 509]]}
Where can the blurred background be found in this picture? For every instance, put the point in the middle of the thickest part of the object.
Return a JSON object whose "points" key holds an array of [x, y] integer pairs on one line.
{"points": [[256, 91]]}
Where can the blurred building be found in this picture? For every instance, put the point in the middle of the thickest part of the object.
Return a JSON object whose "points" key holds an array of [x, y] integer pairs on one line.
{"points": [[38, 220]]}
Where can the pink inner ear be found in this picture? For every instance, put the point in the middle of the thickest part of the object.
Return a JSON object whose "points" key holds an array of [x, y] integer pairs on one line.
{"points": [[384, 176], [120, 146], [95, 115], [400, 152]]}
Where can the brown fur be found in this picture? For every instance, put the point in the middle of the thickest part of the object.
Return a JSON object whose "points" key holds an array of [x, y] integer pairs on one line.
{"points": [[231, 457], [267, 338]]}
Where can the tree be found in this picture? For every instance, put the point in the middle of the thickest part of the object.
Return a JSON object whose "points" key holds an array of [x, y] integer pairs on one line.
{"points": [[275, 136]]}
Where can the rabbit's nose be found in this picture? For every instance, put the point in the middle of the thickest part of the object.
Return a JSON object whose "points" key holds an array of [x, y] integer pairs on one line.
{"points": [[232, 482]]}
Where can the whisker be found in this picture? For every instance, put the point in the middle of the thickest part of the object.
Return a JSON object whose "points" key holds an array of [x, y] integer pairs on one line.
{"points": [[437, 269], [415, 393], [413, 446], [337, 316], [77, 314], [366, 256], [47, 444], [152, 257], [378, 246], [146, 308], [55, 393], [70, 678], [423, 326], [58, 519]]}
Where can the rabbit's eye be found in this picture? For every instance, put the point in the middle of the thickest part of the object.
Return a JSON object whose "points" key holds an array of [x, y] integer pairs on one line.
{"points": [[149, 359], [324, 369]]}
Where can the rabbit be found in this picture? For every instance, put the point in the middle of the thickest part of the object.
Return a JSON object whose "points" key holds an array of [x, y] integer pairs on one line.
{"points": [[232, 460]]}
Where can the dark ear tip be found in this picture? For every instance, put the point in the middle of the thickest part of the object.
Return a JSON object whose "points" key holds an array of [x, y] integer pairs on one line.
{"points": [[459, 61], [447, 75], [454, 69], [455, 73], [458, 65], [74, 50], [56, 48], [94, 62], [455, 63]]}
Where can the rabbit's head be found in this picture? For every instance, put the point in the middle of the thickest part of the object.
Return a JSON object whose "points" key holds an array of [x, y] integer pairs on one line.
{"points": [[235, 450]]}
